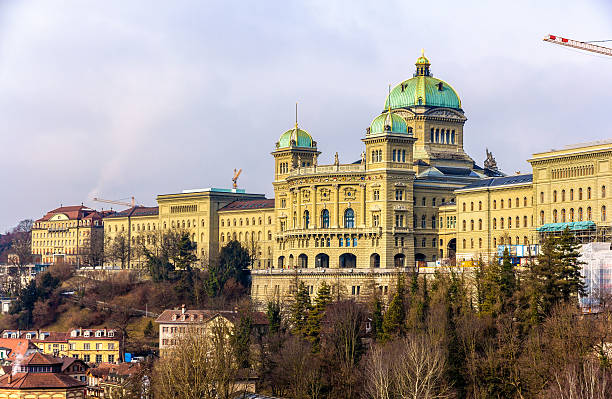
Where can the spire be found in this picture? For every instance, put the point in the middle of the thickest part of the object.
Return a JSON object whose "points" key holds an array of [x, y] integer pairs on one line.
{"points": [[294, 134]]}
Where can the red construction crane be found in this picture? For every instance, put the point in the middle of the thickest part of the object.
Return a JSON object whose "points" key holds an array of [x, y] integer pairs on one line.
{"points": [[128, 204], [586, 46]]}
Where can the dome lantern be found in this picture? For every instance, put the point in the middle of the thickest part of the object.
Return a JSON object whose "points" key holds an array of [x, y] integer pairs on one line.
{"points": [[422, 65]]}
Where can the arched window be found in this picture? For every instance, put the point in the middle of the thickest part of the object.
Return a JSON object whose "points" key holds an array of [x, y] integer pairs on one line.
{"points": [[524, 221], [472, 224], [349, 218], [555, 196], [555, 216], [588, 192], [464, 225], [480, 243], [501, 223], [603, 213], [494, 223], [589, 214], [501, 204], [423, 222], [542, 218], [562, 215], [494, 204], [524, 201], [494, 241], [542, 197], [480, 205], [571, 214], [479, 224], [580, 214], [306, 219], [509, 202], [518, 222], [471, 206], [580, 194], [464, 243], [510, 222], [464, 207], [516, 200], [562, 195], [571, 194], [603, 191], [325, 219]]}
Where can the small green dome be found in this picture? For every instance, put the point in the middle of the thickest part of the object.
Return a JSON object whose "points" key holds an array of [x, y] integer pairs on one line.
{"points": [[388, 122], [423, 89], [299, 137]]}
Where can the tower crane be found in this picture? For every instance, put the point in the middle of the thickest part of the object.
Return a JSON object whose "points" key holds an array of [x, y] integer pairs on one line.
{"points": [[235, 178], [128, 204], [586, 46]]}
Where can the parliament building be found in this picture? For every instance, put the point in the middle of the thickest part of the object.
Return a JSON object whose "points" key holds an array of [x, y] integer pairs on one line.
{"points": [[413, 199]]}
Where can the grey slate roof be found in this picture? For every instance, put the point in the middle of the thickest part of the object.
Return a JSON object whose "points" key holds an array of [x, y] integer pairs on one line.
{"points": [[500, 181]]}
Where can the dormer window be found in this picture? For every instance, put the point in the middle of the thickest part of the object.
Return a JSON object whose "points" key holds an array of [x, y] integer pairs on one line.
{"points": [[86, 333], [174, 317], [111, 333], [98, 333]]}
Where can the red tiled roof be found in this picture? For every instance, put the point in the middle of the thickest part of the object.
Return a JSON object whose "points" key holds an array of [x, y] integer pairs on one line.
{"points": [[53, 336], [16, 346], [39, 380], [69, 361], [249, 204], [76, 212], [41, 359]]}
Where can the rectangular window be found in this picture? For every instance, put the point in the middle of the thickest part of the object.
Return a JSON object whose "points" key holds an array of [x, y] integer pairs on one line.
{"points": [[111, 358], [340, 242], [98, 347], [399, 195], [86, 358], [86, 346], [111, 346], [394, 155], [98, 358], [376, 195]]}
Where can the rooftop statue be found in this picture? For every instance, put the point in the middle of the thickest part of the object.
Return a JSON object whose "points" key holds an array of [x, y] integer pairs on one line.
{"points": [[490, 162]]}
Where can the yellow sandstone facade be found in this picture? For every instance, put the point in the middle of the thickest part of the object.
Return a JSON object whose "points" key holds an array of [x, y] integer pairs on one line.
{"points": [[65, 234]]}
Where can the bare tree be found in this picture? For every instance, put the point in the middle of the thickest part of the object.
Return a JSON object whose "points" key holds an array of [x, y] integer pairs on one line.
{"points": [[587, 380], [200, 366], [118, 249], [92, 252], [21, 248], [413, 367]]}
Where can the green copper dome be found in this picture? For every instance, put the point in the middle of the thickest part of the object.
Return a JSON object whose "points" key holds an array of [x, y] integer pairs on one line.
{"points": [[423, 89], [300, 137], [388, 122]]}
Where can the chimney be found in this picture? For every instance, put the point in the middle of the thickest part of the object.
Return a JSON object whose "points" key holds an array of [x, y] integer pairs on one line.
{"points": [[183, 309]]}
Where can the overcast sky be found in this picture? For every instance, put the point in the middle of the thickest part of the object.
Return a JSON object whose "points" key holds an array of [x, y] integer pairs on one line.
{"points": [[118, 98]]}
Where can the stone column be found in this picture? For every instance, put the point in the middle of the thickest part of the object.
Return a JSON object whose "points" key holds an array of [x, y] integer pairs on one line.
{"points": [[337, 206], [363, 205], [314, 218]]}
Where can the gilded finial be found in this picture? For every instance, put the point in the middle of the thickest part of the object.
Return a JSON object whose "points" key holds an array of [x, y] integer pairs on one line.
{"points": [[422, 52], [296, 116], [389, 101]]}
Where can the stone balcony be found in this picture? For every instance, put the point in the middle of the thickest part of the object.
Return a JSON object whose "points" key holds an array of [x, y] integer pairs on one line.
{"points": [[321, 169], [370, 231]]}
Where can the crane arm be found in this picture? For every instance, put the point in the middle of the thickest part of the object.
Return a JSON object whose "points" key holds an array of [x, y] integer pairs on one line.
{"points": [[128, 204], [578, 45]]}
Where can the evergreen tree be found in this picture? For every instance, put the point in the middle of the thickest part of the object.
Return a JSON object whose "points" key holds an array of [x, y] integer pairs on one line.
{"points": [[233, 262], [395, 317], [273, 313], [543, 280], [570, 280], [241, 341], [186, 256], [148, 330], [377, 319], [300, 309], [313, 324], [507, 278]]}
